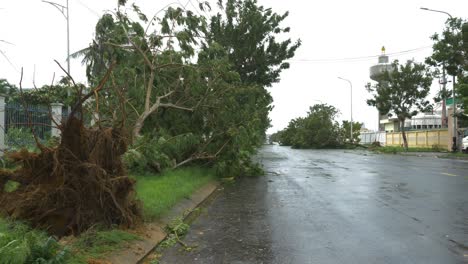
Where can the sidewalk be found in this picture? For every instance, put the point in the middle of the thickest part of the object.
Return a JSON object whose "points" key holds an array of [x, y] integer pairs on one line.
{"points": [[153, 233]]}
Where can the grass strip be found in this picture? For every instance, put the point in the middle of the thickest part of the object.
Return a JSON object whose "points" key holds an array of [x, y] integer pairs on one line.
{"points": [[159, 193], [397, 149], [96, 244]]}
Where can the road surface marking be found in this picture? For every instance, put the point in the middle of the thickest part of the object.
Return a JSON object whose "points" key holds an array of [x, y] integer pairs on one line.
{"points": [[448, 174]]}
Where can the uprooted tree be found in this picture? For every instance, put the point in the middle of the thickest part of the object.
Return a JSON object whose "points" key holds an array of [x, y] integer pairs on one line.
{"points": [[173, 93], [185, 99], [81, 182]]}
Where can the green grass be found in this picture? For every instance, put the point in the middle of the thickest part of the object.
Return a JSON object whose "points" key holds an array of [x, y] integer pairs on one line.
{"points": [[456, 155], [159, 193], [96, 244], [395, 149]]}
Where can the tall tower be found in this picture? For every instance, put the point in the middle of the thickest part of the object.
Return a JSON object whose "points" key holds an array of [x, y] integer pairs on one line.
{"points": [[376, 73]]}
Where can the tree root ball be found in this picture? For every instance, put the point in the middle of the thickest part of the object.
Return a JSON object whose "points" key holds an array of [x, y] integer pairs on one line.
{"points": [[70, 188]]}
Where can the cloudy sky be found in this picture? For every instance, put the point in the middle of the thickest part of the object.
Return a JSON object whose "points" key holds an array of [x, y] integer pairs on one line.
{"points": [[332, 32]]}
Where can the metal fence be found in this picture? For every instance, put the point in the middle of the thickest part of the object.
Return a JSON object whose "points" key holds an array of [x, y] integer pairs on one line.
{"points": [[17, 120]]}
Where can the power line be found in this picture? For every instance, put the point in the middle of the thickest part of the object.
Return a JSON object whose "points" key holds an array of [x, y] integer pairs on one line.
{"points": [[89, 9], [8, 60], [362, 58], [6, 42]]}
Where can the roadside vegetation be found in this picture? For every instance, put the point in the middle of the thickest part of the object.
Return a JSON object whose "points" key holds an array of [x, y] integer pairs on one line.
{"points": [[159, 193], [21, 244], [398, 149], [457, 155], [174, 102]]}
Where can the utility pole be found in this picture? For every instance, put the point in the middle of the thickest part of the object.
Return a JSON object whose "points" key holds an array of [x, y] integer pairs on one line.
{"points": [[65, 12], [351, 86], [444, 103], [455, 127]]}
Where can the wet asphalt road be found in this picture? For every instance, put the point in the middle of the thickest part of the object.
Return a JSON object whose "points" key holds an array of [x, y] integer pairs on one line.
{"points": [[336, 206]]}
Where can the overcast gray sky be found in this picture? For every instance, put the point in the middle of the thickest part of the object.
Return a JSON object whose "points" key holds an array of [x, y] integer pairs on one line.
{"points": [[333, 29]]}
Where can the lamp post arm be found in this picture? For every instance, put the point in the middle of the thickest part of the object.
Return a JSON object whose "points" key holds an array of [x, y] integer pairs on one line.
{"points": [[59, 7], [438, 11]]}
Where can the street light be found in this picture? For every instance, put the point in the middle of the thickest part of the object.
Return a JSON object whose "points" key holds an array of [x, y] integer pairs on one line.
{"points": [[351, 86], [454, 138], [438, 11], [65, 12]]}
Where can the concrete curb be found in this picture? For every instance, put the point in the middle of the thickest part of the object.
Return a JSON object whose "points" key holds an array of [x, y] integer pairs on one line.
{"points": [[153, 233]]}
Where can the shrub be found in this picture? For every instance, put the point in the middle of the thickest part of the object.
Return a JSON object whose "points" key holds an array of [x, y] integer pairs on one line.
{"points": [[20, 244]]}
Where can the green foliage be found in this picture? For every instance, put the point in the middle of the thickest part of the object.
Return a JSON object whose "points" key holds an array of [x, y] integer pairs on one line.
{"points": [[249, 33], [465, 42], [21, 244], [45, 95], [159, 152], [159, 193], [6, 88], [176, 229], [462, 87], [450, 51], [210, 107], [448, 47]]}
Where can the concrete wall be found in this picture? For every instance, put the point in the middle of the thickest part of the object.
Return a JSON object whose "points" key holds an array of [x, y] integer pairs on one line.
{"points": [[421, 139]]}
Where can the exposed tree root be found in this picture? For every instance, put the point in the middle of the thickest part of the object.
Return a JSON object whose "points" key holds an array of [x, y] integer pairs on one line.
{"points": [[74, 186]]}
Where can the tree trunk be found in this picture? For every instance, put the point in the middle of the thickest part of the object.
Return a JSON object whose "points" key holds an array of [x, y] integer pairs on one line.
{"points": [[139, 125], [403, 134]]}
